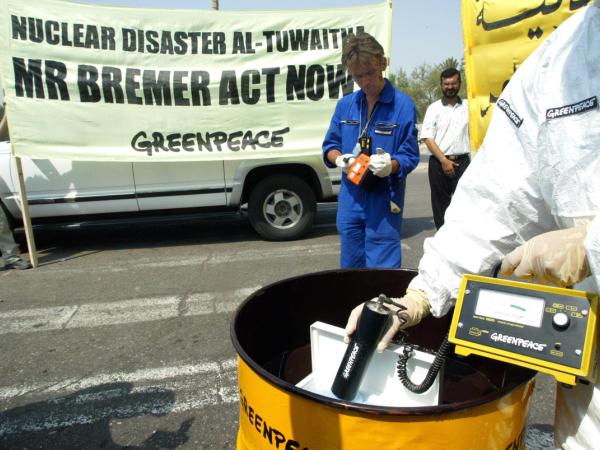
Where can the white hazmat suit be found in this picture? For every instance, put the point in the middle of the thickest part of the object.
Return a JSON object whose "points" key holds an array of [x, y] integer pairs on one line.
{"points": [[538, 170]]}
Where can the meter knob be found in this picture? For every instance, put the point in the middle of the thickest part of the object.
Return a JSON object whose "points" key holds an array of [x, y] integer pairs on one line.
{"points": [[561, 321]]}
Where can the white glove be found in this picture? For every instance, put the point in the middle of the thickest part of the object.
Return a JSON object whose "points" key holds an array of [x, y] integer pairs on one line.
{"points": [[417, 306], [344, 161], [556, 257], [381, 164]]}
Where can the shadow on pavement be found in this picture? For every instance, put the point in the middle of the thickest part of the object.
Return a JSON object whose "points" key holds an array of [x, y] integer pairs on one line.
{"points": [[60, 242], [82, 420]]}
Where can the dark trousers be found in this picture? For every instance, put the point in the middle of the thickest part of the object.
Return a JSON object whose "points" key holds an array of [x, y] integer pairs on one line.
{"points": [[442, 187]]}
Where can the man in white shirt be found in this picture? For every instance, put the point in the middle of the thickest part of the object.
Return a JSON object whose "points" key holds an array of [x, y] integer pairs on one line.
{"points": [[446, 135]]}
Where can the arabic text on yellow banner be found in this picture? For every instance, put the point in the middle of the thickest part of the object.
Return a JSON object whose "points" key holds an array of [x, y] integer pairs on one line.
{"points": [[498, 37]]}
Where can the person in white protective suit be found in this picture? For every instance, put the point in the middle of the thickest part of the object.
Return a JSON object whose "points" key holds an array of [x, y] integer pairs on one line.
{"points": [[530, 199]]}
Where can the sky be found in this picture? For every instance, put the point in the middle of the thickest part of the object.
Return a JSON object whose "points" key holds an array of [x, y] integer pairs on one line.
{"points": [[423, 31]]}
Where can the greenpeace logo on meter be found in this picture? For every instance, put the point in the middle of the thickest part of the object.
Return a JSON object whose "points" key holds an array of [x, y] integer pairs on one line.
{"points": [[519, 342]]}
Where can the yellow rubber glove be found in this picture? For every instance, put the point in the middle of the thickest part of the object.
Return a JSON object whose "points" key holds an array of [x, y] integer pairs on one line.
{"points": [[555, 257], [417, 306]]}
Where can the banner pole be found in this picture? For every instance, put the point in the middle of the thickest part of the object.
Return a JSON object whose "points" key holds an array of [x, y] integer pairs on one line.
{"points": [[388, 21], [25, 214]]}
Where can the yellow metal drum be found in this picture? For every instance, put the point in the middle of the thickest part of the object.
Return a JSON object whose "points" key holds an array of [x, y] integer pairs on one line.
{"points": [[483, 404]]}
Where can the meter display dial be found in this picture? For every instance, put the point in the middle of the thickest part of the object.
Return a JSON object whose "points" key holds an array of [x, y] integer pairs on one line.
{"points": [[510, 307]]}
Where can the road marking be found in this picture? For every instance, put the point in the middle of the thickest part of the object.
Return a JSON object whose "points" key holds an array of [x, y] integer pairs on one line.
{"points": [[154, 391], [121, 312], [35, 319], [272, 253]]}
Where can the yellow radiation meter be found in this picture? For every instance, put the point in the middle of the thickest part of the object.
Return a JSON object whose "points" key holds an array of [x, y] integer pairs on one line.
{"points": [[544, 328]]}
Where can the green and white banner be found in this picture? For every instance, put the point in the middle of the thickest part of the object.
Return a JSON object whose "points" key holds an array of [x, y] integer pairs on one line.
{"points": [[88, 82]]}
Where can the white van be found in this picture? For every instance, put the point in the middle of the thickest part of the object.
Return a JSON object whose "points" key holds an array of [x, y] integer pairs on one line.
{"points": [[280, 193]]}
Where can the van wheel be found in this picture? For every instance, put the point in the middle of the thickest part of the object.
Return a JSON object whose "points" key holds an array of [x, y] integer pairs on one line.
{"points": [[282, 207]]}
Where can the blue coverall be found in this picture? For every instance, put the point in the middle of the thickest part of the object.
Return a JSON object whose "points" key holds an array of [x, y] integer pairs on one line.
{"points": [[369, 230]]}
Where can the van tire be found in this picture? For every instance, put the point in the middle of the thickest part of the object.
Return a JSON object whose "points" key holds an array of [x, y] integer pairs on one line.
{"points": [[282, 207]]}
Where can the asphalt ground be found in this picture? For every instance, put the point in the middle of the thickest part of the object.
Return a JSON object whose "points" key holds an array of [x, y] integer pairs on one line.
{"points": [[120, 339]]}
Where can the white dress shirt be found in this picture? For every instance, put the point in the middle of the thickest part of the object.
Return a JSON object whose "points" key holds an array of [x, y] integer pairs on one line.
{"points": [[448, 126]]}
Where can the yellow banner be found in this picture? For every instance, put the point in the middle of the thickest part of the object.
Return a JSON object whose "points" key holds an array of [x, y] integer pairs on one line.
{"points": [[498, 37], [87, 82]]}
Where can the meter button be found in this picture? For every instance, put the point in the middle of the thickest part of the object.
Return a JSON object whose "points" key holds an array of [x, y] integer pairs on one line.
{"points": [[561, 321]]}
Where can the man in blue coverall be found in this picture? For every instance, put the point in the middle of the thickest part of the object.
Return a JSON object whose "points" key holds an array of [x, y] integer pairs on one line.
{"points": [[369, 220]]}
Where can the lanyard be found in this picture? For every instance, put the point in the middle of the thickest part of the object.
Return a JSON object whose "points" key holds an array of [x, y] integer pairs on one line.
{"points": [[364, 142], [364, 131]]}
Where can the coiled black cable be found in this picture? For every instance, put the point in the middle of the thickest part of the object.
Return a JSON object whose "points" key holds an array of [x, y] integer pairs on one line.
{"points": [[435, 367]]}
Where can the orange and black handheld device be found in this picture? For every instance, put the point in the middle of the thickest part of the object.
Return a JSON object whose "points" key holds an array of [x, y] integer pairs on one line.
{"points": [[359, 173], [358, 169]]}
